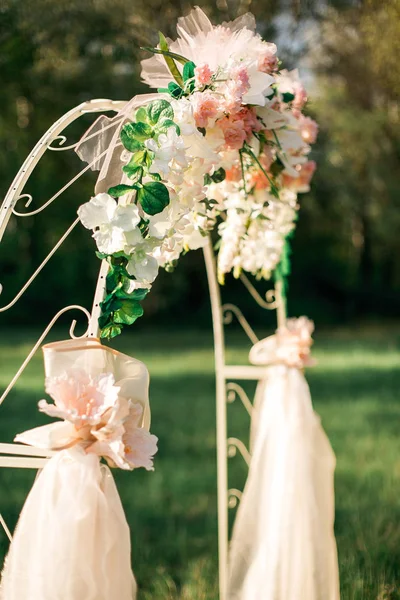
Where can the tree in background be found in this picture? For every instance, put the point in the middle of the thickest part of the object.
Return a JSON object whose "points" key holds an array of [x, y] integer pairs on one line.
{"points": [[55, 54]]}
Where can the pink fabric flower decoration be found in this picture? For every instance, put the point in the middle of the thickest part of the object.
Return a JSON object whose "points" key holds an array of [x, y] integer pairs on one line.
{"points": [[79, 397], [202, 75], [294, 343], [308, 129], [205, 106]]}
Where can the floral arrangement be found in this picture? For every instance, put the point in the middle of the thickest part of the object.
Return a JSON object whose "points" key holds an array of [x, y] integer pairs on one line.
{"points": [[225, 140], [97, 417], [290, 345]]}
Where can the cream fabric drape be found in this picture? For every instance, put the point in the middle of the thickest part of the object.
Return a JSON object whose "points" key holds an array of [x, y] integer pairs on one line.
{"points": [[283, 545], [72, 541]]}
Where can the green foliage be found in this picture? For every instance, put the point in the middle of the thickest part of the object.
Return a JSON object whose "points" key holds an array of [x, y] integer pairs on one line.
{"points": [[119, 308]]}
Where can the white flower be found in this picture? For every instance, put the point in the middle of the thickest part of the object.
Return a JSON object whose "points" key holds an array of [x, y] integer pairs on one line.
{"points": [[110, 221], [169, 146], [260, 85], [142, 264]]}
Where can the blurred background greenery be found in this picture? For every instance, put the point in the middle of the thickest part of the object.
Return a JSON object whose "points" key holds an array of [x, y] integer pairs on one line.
{"points": [[56, 54]]}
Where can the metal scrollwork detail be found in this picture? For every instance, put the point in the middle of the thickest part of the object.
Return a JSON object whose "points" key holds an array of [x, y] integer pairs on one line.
{"points": [[235, 445], [234, 497], [271, 301], [233, 391], [230, 310]]}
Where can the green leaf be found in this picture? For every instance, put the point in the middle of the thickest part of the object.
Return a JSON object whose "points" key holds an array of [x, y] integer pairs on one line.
{"points": [[178, 57], [120, 190], [155, 176], [153, 197], [175, 90], [101, 255], [129, 139], [132, 134], [188, 71], [110, 331], [163, 126], [159, 109], [170, 60], [111, 280], [141, 158], [132, 170], [218, 175], [287, 97], [141, 115], [188, 76], [140, 293], [128, 313]]}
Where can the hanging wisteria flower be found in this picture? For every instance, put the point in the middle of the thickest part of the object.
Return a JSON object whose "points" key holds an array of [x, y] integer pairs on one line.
{"points": [[227, 137]]}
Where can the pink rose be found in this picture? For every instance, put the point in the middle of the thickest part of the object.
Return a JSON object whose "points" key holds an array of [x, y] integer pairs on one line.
{"points": [[308, 129], [234, 132], [249, 118], [202, 75], [205, 107]]}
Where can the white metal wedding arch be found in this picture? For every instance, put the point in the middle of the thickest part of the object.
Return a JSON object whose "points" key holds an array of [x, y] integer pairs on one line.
{"points": [[227, 376]]}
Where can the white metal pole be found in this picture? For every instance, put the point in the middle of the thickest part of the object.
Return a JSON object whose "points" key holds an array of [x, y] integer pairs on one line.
{"points": [[222, 457]]}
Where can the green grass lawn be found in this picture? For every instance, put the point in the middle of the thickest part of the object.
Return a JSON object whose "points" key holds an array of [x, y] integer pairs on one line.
{"points": [[172, 511]]}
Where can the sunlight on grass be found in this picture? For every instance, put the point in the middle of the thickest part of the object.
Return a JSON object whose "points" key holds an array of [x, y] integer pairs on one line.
{"points": [[172, 512]]}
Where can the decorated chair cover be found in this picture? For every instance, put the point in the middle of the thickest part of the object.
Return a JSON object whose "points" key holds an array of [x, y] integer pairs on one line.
{"points": [[283, 545], [72, 541]]}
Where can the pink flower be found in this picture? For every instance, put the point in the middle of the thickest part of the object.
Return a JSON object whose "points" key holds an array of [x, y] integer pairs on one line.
{"points": [[80, 398], [240, 77], [301, 183], [202, 75], [300, 96], [130, 446], [268, 61], [205, 107], [234, 132], [139, 444], [249, 118], [308, 129], [237, 85]]}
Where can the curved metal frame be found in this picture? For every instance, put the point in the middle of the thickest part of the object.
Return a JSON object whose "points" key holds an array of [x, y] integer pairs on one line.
{"points": [[15, 455]]}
